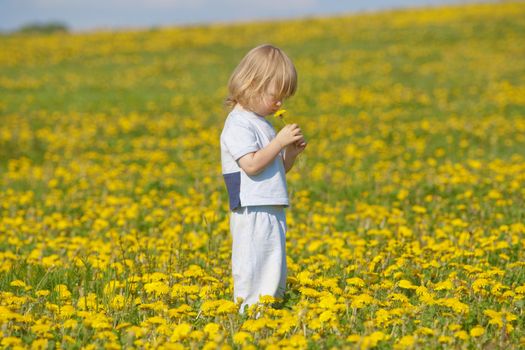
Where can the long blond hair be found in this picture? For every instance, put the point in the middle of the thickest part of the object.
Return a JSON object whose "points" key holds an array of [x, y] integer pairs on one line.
{"points": [[263, 68]]}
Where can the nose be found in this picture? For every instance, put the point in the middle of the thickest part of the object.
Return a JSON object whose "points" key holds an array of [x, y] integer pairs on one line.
{"points": [[278, 103]]}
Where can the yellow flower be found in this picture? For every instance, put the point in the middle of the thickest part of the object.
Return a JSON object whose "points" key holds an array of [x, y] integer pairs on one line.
{"points": [[419, 209], [118, 302], [326, 316], [477, 331], [63, 292], [41, 327], [406, 284], [353, 338], [42, 293], [355, 281], [17, 283], [181, 332], [406, 342], [361, 301], [461, 335], [211, 329], [425, 331], [227, 307], [445, 339], [454, 304], [39, 344], [11, 341], [241, 337], [280, 113], [157, 288], [67, 311], [445, 285], [371, 340], [501, 318], [267, 299], [71, 323]]}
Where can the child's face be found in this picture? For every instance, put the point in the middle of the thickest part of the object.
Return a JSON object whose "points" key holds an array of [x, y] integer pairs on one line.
{"points": [[268, 104]]}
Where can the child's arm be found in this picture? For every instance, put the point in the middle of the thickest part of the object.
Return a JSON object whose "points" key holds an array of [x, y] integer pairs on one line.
{"points": [[291, 153], [253, 163]]}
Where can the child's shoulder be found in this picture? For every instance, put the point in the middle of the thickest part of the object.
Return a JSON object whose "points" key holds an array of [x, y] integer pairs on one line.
{"points": [[238, 117]]}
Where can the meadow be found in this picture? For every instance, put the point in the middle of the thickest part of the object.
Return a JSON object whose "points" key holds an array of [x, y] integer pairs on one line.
{"points": [[407, 223]]}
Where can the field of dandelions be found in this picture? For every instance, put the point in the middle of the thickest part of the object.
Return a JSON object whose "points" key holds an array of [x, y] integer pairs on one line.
{"points": [[407, 224]]}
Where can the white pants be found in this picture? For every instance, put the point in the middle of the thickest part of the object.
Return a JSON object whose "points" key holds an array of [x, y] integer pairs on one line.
{"points": [[258, 253]]}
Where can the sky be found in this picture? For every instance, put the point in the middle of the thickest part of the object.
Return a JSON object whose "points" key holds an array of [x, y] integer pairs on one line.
{"points": [[121, 14]]}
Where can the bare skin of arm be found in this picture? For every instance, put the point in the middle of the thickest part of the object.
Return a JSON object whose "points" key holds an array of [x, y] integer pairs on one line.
{"points": [[291, 153], [255, 162]]}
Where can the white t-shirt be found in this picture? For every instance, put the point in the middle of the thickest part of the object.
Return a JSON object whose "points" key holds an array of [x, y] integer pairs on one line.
{"points": [[245, 132]]}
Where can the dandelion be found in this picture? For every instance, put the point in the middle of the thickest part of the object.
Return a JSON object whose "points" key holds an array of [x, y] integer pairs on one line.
{"points": [[17, 283], [406, 284], [241, 337], [181, 332], [501, 318], [405, 342], [211, 329], [11, 341], [42, 293], [227, 307], [477, 331], [157, 288], [280, 115], [62, 291]]}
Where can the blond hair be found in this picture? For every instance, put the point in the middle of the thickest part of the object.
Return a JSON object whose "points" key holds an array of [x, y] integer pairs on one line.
{"points": [[263, 68]]}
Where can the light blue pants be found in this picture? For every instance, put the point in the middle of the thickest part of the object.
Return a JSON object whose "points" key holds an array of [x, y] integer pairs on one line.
{"points": [[258, 253]]}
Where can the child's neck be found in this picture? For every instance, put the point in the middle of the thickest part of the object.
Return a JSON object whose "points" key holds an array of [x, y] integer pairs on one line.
{"points": [[238, 105]]}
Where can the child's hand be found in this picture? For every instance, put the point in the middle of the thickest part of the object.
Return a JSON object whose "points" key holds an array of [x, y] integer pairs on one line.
{"points": [[289, 134], [297, 147]]}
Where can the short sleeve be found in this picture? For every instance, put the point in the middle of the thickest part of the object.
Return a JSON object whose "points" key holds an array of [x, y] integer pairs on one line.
{"points": [[240, 140]]}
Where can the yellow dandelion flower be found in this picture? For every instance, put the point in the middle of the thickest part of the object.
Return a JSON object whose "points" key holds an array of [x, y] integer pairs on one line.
{"points": [[211, 329], [500, 318], [419, 209], [326, 316], [241, 337], [445, 285], [181, 332], [67, 311], [117, 302], [355, 281], [42, 293], [353, 338], [371, 341], [157, 288], [41, 327], [63, 292], [280, 113], [71, 323], [227, 307], [461, 335], [267, 299], [405, 342], [39, 344], [425, 331], [477, 331], [361, 301], [11, 341], [297, 341], [17, 283], [406, 285], [445, 339]]}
